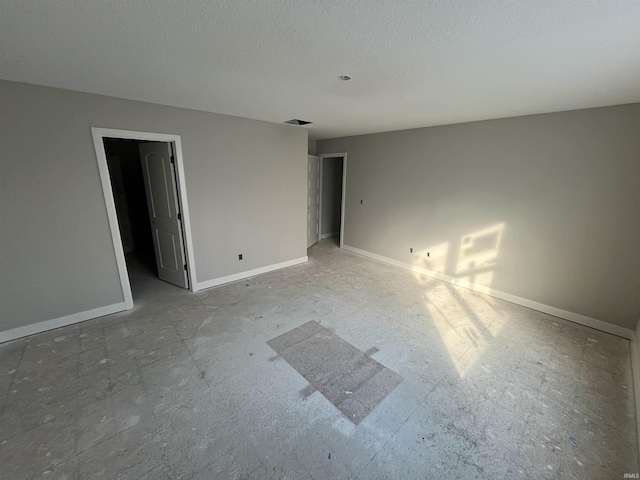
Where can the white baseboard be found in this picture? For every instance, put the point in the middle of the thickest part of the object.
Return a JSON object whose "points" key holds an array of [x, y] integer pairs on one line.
{"points": [[249, 273], [541, 307], [40, 327], [329, 235]]}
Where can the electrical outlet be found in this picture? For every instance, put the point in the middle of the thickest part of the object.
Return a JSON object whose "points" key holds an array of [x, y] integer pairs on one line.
{"points": [[410, 250], [427, 254], [240, 257]]}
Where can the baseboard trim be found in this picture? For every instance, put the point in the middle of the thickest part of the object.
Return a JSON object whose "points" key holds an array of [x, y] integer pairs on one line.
{"points": [[329, 235], [541, 307], [40, 327], [249, 273]]}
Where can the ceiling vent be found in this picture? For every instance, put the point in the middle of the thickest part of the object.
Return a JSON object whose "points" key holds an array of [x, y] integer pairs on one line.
{"points": [[296, 121]]}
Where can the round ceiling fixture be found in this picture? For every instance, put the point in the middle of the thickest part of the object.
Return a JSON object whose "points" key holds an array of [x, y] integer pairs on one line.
{"points": [[344, 78]]}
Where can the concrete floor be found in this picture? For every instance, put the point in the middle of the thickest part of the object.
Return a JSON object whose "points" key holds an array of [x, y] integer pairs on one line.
{"points": [[186, 386]]}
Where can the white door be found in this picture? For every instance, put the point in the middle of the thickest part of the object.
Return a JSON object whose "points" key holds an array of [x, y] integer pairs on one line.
{"points": [[158, 168], [313, 200]]}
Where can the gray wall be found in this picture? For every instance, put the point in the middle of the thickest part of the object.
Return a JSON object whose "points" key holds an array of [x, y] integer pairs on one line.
{"points": [[246, 187], [331, 194], [545, 207]]}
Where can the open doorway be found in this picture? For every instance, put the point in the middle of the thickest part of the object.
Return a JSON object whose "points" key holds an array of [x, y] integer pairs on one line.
{"points": [[332, 168], [143, 184], [127, 186]]}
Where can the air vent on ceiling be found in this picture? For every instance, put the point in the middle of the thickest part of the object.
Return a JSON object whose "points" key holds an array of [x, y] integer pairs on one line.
{"points": [[296, 121]]}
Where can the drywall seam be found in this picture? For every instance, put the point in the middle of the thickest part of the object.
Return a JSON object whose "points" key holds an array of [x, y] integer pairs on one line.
{"points": [[249, 273], [541, 307], [40, 327]]}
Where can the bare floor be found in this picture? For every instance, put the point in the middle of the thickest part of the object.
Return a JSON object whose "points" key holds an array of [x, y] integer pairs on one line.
{"points": [[187, 386]]}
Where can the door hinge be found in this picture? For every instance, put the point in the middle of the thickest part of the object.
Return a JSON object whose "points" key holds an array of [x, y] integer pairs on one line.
{"points": [[179, 216], [185, 266], [173, 160]]}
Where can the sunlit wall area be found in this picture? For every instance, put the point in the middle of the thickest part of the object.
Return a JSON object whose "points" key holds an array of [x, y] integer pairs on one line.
{"points": [[543, 207]]}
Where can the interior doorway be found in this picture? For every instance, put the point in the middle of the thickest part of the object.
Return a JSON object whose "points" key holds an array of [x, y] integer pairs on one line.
{"points": [[127, 186], [143, 183], [333, 169]]}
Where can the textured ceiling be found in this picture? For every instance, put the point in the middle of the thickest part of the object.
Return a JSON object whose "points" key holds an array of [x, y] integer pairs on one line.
{"points": [[412, 63]]}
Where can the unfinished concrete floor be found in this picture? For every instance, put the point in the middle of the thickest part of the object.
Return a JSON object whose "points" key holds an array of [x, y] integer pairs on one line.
{"points": [[186, 386]]}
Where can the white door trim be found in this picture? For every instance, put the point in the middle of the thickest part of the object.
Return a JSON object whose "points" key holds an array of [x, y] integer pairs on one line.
{"points": [[98, 135], [344, 190]]}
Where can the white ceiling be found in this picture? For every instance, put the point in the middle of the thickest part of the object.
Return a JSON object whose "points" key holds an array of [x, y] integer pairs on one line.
{"points": [[412, 63]]}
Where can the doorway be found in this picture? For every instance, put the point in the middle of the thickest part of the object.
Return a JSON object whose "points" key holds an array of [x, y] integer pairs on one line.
{"points": [[127, 186], [333, 169], [142, 179]]}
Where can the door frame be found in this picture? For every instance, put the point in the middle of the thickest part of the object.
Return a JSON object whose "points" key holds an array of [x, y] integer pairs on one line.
{"points": [[343, 155], [99, 134]]}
